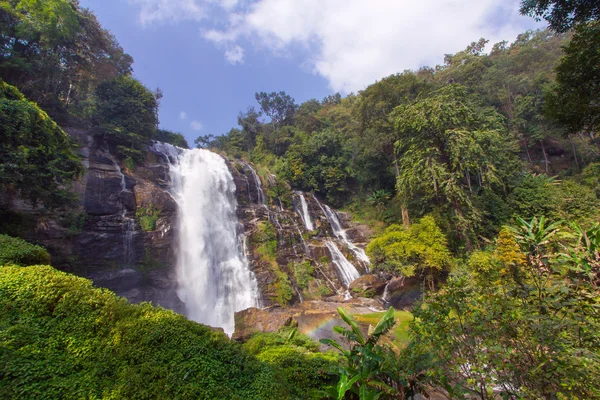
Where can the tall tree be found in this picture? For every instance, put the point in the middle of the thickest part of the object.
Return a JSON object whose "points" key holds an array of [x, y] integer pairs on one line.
{"points": [[562, 15], [279, 107], [574, 102], [126, 112], [56, 51], [448, 147]]}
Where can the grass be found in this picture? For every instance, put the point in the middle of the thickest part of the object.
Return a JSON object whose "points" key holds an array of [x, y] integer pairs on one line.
{"points": [[399, 333]]}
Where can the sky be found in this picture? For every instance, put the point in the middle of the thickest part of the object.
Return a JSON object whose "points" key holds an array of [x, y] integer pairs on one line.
{"points": [[209, 57]]}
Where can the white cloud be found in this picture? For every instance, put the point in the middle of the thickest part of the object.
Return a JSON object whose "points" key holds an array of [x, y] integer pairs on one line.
{"points": [[352, 43], [182, 115], [235, 55], [169, 10], [196, 125]]}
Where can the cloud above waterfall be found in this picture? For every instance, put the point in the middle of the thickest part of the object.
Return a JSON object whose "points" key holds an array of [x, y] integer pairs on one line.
{"points": [[196, 125], [351, 43], [183, 115]]}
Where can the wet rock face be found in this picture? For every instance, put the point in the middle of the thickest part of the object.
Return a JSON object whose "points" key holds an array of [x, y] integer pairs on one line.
{"points": [[110, 247], [299, 253], [368, 286]]}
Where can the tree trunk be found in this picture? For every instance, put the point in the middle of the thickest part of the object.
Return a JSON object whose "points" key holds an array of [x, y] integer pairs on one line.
{"points": [[545, 155], [575, 154], [527, 151], [405, 218]]}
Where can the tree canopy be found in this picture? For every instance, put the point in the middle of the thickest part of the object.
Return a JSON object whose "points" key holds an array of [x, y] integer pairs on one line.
{"points": [[36, 156]]}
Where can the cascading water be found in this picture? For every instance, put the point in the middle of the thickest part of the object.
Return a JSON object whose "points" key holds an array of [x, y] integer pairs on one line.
{"points": [[128, 224], [214, 279], [348, 272], [305, 214], [340, 233], [258, 183]]}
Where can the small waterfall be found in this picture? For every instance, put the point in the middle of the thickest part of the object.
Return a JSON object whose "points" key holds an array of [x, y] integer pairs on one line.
{"points": [[305, 214], [347, 271], [386, 293], [258, 183], [128, 224], [214, 279], [340, 233]]}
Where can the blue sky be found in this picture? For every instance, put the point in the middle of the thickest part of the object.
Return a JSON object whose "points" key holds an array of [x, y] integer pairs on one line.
{"points": [[210, 56]]}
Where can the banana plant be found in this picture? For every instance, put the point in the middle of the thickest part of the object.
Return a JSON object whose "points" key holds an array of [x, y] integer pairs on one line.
{"points": [[584, 257], [362, 375]]}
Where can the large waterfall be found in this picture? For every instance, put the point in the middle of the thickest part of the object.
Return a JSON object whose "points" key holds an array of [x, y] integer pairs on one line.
{"points": [[214, 279]]}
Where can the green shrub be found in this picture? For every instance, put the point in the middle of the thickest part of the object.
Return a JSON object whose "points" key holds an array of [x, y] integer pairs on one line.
{"points": [[590, 177], [74, 222], [284, 336], [303, 272], [306, 372], [295, 356], [147, 216], [283, 288], [61, 338], [19, 252]]}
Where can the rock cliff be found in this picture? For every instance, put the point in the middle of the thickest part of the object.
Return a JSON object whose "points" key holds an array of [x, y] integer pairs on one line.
{"points": [[124, 233]]}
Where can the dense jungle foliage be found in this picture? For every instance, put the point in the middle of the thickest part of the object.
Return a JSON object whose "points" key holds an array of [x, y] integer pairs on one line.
{"points": [[480, 176]]}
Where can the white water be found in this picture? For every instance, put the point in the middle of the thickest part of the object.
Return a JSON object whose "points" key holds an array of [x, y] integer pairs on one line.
{"points": [[128, 223], [213, 276], [340, 233], [386, 293], [348, 272], [305, 214], [258, 183]]}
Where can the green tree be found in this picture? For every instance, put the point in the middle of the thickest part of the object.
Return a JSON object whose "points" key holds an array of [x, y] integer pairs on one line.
{"points": [[573, 103], [562, 15], [176, 139], [512, 322], [421, 249], [279, 107], [36, 156], [448, 148], [126, 113], [57, 52]]}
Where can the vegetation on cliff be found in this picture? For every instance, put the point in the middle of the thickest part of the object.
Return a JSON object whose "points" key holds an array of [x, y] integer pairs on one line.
{"points": [[36, 156]]}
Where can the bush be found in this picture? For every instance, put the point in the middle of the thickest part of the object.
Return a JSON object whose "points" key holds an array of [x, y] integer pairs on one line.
{"points": [[62, 338], [296, 357], [147, 217], [19, 252]]}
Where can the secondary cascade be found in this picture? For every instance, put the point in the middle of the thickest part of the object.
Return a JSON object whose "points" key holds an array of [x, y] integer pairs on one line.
{"points": [[213, 275]]}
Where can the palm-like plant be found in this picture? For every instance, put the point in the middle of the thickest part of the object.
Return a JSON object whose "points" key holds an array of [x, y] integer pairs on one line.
{"points": [[584, 257], [363, 375]]}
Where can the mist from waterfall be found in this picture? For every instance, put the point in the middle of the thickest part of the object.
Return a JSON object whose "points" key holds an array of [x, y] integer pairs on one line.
{"points": [[213, 275]]}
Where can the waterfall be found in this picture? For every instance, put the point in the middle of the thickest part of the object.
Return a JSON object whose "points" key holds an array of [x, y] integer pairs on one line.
{"points": [[347, 271], [257, 182], [305, 214], [340, 233], [128, 224], [386, 293], [213, 275]]}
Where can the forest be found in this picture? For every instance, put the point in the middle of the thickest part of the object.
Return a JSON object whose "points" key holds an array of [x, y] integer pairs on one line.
{"points": [[479, 177]]}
